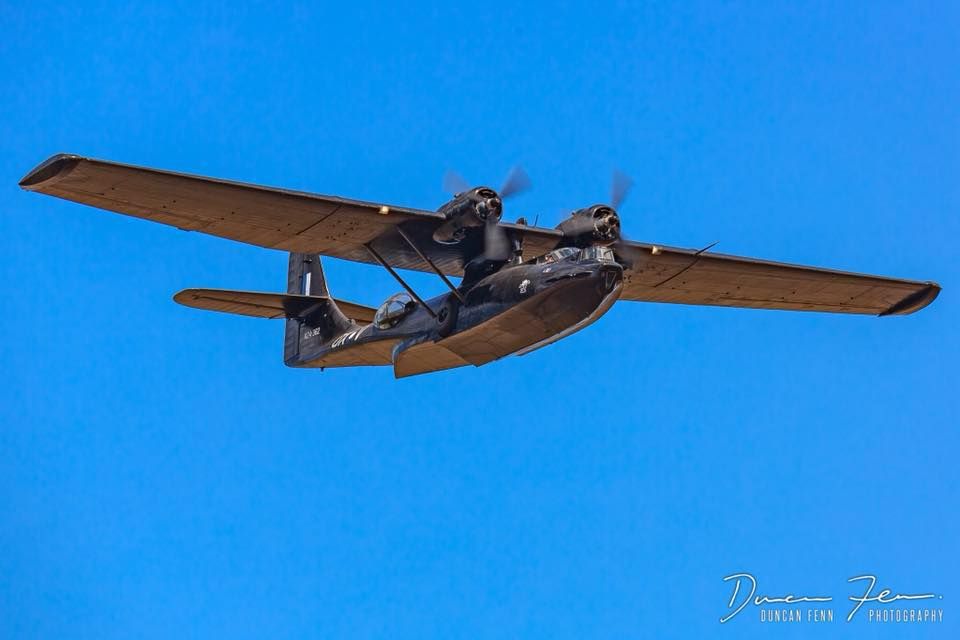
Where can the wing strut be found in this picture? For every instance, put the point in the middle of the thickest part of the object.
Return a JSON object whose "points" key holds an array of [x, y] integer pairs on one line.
{"points": [[423, 257], [383, 263]]}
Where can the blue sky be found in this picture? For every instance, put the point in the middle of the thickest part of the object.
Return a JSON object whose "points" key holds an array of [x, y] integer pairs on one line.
{"points": [[162, 474]]}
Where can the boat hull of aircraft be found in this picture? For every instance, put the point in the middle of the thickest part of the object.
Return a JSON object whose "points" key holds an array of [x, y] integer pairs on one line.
{"points": [[510, 311]]}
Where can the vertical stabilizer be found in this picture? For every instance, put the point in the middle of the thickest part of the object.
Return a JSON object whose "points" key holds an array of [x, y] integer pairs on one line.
{"points": [[304, 335]]}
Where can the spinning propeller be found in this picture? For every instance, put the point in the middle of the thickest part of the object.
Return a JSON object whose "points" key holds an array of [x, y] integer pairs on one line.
{"points": [[620, 185], [599, 223], [517, 181], [496, 242]]}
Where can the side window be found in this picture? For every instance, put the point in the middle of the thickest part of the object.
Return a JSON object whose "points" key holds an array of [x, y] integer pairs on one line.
{"points": [[393, 311]]}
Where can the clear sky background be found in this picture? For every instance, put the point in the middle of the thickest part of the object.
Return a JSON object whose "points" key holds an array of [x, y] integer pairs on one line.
{"points": [[163, 475]]}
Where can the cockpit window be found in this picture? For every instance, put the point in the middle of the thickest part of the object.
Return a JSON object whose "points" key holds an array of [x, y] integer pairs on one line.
{"points": [[393, 310], [600, 254], [558, 255]]}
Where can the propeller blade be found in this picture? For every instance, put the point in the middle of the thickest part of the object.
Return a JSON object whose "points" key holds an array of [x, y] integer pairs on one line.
{"points": [[627, 253], [517, 182], [454, 183], [619, 187], [496, 242]]}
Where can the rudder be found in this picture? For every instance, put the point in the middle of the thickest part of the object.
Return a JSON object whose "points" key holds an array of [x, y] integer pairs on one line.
{"points": [[305, 277]]}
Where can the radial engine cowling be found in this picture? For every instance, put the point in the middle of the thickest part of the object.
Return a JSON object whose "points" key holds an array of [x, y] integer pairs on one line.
{"points": [[594, 225], [468, 210]]}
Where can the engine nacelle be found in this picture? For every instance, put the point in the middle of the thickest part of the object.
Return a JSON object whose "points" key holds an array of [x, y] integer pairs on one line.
{"points": [[467, 210], [594, 225]]}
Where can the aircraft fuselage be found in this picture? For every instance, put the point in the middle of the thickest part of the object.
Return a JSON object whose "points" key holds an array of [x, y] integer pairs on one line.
{"points": [[517, 308]]}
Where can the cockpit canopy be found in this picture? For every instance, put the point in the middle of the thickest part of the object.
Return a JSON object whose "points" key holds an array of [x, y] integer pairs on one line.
{"points": [[393, 310], [599, 254], [558, 255]]}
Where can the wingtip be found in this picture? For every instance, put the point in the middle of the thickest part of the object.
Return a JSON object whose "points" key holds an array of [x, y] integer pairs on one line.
{"points": [[915, 301], [54, 167], [187, 297]]}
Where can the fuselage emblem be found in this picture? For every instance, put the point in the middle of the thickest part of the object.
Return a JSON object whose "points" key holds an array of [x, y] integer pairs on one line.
{"points": [[350, 336]]}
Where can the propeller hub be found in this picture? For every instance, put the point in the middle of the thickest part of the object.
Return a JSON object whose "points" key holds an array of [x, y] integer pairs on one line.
{"points": [[488, 204], [606, 224]]}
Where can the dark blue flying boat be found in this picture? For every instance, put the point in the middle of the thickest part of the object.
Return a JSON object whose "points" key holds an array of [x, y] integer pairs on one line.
{"points": [[521, 286]]}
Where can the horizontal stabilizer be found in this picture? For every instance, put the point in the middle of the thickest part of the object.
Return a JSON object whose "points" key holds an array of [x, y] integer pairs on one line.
{"points": [[267, 305]]}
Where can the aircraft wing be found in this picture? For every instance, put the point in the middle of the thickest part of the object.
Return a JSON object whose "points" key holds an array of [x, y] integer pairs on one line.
{"points": [[265, 216], [310, 223], [666, 274]]}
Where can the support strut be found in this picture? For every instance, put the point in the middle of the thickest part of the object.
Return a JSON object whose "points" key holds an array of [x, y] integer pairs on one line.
{"points": [[413, 294], [423, 257]]}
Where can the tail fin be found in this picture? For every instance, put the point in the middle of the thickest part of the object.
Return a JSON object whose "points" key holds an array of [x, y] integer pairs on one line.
{"points": [[302, 335], [305, 275]]}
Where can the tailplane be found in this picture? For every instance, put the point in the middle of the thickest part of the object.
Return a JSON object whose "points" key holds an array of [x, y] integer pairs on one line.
{"points": [[312, 317]]}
